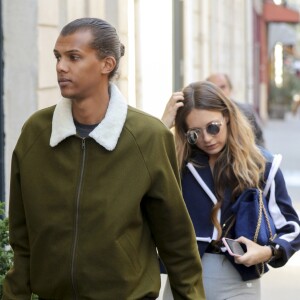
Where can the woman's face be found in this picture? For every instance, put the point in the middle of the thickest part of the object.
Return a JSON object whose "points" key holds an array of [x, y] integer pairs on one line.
{"points": [[210, 128]]}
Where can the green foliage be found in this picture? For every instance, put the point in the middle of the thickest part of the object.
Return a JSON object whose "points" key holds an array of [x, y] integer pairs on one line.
{"points": [[6, 254], [290, 86]]}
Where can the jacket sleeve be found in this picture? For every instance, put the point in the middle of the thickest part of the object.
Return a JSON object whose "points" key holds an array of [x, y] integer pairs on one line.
{"points": [[169, 221], [17, 284], [286, 220], [255, 122]]}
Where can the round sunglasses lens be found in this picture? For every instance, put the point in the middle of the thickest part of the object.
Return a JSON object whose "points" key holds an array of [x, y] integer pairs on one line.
{"points": [[213, 129], [192, 137]]}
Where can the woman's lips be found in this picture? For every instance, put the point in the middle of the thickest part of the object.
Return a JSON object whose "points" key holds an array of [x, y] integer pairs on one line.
{"points": [[211, 147]]}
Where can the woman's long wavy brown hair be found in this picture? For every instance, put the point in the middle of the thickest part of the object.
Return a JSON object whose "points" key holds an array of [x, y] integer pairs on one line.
{"points": [[240, 165]]}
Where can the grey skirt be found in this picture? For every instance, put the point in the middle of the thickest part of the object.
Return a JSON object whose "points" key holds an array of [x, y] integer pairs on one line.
{"points": [[222, 281]]}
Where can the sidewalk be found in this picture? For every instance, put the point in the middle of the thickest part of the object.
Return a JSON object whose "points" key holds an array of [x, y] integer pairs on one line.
{"points": [[283, 136], [283, 283]]}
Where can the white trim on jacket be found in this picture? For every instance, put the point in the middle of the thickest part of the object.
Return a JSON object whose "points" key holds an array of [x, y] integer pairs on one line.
{"points": [[106, 133], [213, 199]]}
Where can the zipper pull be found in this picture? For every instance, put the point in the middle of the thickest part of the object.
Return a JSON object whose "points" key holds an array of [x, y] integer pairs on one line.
{"points": [[83, 144]]}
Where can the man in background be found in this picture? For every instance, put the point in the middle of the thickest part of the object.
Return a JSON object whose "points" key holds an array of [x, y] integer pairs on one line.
{"points": [[223, 82]]}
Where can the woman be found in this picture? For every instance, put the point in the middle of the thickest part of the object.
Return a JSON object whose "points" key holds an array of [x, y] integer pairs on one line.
{"points": [[217, 141]]}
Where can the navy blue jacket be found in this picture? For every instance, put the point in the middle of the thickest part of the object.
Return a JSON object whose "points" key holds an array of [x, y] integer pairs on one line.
{"points": [[199, 206]]}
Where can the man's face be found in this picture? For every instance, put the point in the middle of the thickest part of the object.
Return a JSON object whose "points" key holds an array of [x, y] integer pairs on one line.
{"points": [[78, 68], [220, 81]]}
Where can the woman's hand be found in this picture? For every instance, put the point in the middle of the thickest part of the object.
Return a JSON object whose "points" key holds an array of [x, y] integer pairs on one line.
{"points": [[172, 106], [255, 253]]}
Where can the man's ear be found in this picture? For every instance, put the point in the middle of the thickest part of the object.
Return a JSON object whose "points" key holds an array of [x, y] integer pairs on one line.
{"points": [[109, 63]]}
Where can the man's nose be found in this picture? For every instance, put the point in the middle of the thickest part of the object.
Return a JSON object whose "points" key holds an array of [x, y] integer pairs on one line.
{"points": [[61, 66]]}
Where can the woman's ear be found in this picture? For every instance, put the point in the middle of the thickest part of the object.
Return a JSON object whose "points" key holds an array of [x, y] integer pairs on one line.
{"points": [[109, 64]]}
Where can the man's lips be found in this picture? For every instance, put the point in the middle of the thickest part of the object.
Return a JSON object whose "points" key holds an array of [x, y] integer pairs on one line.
{"points": [[63, 82]]}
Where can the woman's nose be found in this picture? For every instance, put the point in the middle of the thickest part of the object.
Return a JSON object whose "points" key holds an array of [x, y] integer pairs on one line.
{"points": [[206, 136]]}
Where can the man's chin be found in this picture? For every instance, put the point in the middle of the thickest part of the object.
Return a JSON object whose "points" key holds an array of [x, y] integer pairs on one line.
{"points": [[65, 95]]}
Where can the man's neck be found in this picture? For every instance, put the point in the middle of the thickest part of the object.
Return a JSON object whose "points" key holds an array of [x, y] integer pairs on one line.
{"points": [[91, 110]]}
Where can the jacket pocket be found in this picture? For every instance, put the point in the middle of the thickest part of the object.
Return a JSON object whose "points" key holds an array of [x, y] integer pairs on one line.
{"points": [[129, 251]]}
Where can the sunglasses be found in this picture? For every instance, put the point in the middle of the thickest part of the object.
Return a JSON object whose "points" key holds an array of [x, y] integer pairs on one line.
{"points": [[212, 129]]}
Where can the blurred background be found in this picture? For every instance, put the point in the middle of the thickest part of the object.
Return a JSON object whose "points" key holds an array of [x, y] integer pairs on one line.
{"points": [[169, 43]]}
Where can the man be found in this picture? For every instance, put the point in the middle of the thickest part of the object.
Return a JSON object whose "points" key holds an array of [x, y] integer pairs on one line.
{"points": [[95, 188], [223, 82]]}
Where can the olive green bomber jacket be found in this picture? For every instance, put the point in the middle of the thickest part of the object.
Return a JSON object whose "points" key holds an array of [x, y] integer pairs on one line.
{"points": [[86, 215]]}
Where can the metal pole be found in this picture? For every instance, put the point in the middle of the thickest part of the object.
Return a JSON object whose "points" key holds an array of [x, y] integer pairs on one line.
{"points": [[2, 181], [177, 45]]}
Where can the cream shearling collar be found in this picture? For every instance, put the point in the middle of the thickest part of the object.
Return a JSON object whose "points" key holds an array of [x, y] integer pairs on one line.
{"points": [[106, 133]]}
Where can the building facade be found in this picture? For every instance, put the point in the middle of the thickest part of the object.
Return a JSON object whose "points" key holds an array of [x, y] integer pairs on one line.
{"points": [[168, 44]]}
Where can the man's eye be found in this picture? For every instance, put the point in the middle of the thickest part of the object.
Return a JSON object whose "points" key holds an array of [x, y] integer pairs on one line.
{"points": [[74, 57], [57, 58]]}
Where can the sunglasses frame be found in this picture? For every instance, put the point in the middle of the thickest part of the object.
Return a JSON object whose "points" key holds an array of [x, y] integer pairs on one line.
{"points": [[192, 135]]}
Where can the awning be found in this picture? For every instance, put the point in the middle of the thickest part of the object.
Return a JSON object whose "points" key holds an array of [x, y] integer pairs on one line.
{"points": [[279, 13]]}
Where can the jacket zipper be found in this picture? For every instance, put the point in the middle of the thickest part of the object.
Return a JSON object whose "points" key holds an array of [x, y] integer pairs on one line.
{"points": [[73, 268]]}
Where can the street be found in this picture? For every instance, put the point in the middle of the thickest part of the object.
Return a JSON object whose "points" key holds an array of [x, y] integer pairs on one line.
{"points": [[283, 136]]}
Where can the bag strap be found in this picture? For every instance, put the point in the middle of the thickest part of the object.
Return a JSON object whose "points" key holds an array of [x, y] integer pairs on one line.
{"points": [[260, 268], [262, 212], [274, 167]]}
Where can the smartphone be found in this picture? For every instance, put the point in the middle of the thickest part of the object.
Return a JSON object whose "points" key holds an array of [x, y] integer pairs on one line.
{"points": [[233, 247]]}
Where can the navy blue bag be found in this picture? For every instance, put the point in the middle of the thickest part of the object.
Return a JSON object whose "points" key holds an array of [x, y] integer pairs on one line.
{"points": [[252, 218]]}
